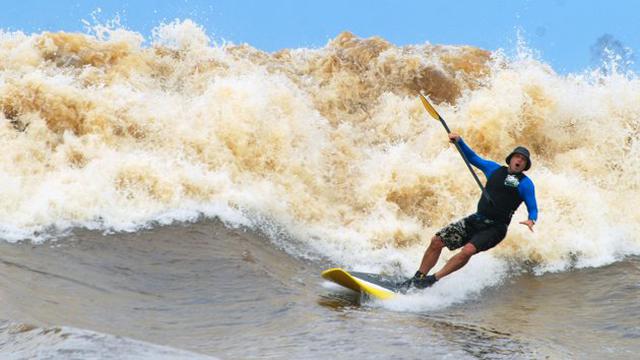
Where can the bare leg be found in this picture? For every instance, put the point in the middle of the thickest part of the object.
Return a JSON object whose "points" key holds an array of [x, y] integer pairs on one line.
{"points": [[431, 255], [458, 261]]}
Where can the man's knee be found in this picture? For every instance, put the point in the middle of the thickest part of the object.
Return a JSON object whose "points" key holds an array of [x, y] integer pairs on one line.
{"points": [[436, 242], [469, 250]]}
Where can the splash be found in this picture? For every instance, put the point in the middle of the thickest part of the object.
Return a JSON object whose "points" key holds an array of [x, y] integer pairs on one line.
{"points": [[328, 146]]}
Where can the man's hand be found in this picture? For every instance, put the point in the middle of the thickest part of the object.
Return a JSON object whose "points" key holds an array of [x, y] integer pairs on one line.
{"points": [[453, 137], [529, 224]]}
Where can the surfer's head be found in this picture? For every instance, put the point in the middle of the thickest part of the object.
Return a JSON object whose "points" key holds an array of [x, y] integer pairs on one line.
{"points": [[519, 160]]}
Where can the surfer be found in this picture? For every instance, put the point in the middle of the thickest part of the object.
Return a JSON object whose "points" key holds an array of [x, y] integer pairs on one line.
{"points": [[506, 188]]}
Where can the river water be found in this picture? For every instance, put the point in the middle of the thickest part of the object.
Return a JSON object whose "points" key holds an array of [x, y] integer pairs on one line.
{"points": [[231, 294], [172, 197]]}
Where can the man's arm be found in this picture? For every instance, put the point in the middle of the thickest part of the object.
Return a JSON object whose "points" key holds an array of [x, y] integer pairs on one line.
{"points": [[527, 191], [487, 166]]}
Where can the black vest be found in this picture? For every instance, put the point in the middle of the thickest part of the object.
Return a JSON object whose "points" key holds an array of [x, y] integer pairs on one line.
{"points": [[503, 190]]}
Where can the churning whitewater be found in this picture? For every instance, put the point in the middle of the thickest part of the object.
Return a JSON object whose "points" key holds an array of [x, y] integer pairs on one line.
{"points": [[328, 151]]}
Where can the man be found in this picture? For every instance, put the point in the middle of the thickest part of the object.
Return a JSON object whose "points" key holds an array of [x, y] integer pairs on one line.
{"points": [[507, 188]]}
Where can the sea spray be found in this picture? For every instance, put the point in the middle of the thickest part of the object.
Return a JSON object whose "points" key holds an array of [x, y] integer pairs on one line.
{"points": [[329, 145]]}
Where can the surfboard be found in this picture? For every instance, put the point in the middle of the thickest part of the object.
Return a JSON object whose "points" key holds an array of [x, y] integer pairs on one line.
{"points": [[375, 285]]}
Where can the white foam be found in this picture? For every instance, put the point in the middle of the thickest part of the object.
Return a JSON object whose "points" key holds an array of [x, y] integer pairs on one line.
{"points": [[482, 273], [326, 150]]}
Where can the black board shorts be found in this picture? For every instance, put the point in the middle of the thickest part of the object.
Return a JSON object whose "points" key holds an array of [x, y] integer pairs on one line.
{"points": [[477, 229]]}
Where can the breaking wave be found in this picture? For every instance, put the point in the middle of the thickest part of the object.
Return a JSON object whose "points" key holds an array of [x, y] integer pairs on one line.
{"points": [[329, 146]]}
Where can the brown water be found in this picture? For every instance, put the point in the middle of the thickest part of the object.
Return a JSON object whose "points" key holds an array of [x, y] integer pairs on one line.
{"points": [[326, 157], [232, 294]]}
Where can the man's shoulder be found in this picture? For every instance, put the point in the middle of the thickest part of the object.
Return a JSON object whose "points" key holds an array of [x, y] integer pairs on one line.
{"points": [[526, 181], [494, 165]]}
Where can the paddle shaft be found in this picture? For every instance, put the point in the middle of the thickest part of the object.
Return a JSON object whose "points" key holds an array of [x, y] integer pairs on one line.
{"points": [[437, 116], [466, 161]]}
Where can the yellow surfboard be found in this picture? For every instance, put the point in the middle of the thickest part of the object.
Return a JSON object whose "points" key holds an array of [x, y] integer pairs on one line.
{"points": [[375, 285]]}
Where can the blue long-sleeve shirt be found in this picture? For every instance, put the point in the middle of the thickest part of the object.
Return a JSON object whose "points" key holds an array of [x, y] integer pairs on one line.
{"points": [[526, 189]]}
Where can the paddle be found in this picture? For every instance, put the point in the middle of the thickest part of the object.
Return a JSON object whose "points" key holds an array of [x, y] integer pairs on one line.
{"points": [[434, 114]]}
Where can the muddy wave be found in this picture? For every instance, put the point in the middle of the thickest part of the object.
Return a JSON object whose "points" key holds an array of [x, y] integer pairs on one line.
{"points": [[329, 145]]}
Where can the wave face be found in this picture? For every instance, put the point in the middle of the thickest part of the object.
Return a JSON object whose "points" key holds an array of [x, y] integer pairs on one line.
{"points": [[329, 146]]}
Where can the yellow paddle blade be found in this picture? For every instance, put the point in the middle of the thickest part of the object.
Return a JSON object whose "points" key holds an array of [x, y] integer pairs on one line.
{"points": [[434, 114]]}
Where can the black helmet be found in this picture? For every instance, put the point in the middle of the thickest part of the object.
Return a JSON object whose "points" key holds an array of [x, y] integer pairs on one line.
{"points": [[522, 151]]}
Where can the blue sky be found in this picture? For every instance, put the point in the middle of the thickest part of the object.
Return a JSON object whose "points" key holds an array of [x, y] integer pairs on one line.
{"points": [[562, 31]]}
